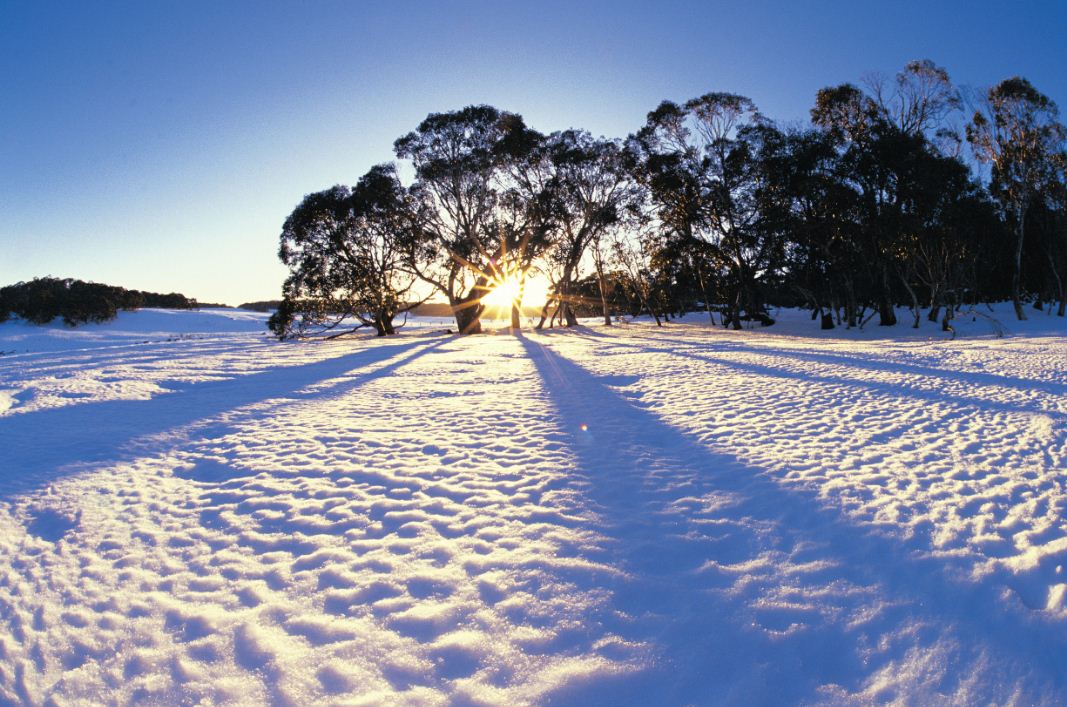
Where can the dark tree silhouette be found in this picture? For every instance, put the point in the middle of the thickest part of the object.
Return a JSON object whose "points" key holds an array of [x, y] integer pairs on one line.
{"points": [[582, 188], [698, 163], [41, 300], [709, 205], [346, 250], [1018, 133], [461, 160]]}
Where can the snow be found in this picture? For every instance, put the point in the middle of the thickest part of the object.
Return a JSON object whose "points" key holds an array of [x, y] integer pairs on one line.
{"points": [[191, 511]]}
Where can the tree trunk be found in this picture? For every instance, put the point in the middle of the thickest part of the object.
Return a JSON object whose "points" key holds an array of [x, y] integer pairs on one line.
{"points": [[1059, 282], [950, 314], [935, 303], [735, 313], [851, 307], [946, 323], [468, 311], [886, 315], [544, 314], [468, 320], [556, 295], [604, 300], [1016, 276], [916, 310], [704, 295], [568, 315], [563, 290]]}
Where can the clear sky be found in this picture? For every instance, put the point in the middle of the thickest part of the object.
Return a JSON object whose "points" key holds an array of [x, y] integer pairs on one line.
{"points": [[160, 145]]}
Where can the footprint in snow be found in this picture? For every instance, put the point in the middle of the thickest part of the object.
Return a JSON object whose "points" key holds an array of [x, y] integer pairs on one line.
{"points": [[51, 525]]}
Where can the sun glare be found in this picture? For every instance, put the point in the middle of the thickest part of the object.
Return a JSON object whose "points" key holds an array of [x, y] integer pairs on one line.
{"points": [[503, 294], [511, 289]]}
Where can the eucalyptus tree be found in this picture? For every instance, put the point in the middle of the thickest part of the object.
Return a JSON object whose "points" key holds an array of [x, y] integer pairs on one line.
{"points": [[697, 160], [346, 251], [583, 189], [633, 254], [461, 161], [945, 216], [921, 100], [1055, 242], [1017, 133], [800, 200], [867, 142]]}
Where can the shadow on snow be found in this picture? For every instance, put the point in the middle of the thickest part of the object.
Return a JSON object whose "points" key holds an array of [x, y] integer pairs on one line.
{"points": [[724, 566], [49, 443]]}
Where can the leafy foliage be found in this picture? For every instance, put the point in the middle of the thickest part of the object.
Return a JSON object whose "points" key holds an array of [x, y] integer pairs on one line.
{"points": [[709, 205], [346, 250]]}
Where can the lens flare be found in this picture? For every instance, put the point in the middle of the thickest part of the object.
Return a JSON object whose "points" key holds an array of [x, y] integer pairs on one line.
{"points": [[504, 293]]}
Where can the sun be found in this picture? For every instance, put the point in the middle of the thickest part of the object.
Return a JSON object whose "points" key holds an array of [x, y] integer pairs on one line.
{"points": [[504, 293], [514, 288]]}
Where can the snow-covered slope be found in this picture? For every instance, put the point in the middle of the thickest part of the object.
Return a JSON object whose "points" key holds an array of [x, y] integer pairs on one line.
{"points": [[139, 327], [617, 515]]}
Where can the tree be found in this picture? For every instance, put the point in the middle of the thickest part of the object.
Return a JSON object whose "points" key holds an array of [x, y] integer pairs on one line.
{"points": [[868, 144], [581, 188], [945, 214], [697, 161], [815, 212], [1017, 133], [460, 161], [346, 250], [920, 101], [890, 140], [1054, 244], [633, 256]]}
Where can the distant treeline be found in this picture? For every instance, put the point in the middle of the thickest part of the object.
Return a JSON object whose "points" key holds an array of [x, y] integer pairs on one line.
{"points": [[268, 305], [77, 302]]}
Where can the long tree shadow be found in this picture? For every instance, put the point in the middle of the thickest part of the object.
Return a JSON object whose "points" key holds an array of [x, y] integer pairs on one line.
{"points": [[891, 389], [43, 445], [754, 593], [144, 352], [877, 365]]}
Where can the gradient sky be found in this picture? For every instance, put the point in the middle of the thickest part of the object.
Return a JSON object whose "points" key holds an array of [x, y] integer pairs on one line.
{"points": [[160, 145]]}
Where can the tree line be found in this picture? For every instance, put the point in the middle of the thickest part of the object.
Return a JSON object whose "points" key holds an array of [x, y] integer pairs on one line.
{"points": [[900, 191], [42, 299]]}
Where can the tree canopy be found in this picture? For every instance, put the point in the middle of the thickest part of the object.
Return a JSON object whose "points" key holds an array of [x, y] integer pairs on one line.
{"points": [[709, 205]]}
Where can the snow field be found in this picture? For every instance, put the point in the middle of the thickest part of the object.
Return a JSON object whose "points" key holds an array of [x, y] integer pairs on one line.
{"points": [[624, 515]]}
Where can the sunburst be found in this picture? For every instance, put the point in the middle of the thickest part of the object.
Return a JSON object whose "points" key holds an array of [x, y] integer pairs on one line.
{"points": [[504, 292]]}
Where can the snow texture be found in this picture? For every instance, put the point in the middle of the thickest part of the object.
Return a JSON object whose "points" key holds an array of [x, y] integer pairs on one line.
{"points": [[191, 511]]}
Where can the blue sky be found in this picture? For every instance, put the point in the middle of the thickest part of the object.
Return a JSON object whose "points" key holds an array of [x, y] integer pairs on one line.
{"points": [[160, 145]]}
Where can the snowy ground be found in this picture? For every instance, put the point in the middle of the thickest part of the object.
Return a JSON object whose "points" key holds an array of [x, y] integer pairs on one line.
{"points": [[191, 511]]}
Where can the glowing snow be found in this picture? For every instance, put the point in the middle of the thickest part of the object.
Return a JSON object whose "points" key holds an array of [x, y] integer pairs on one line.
{"points": [[191, 511]]}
